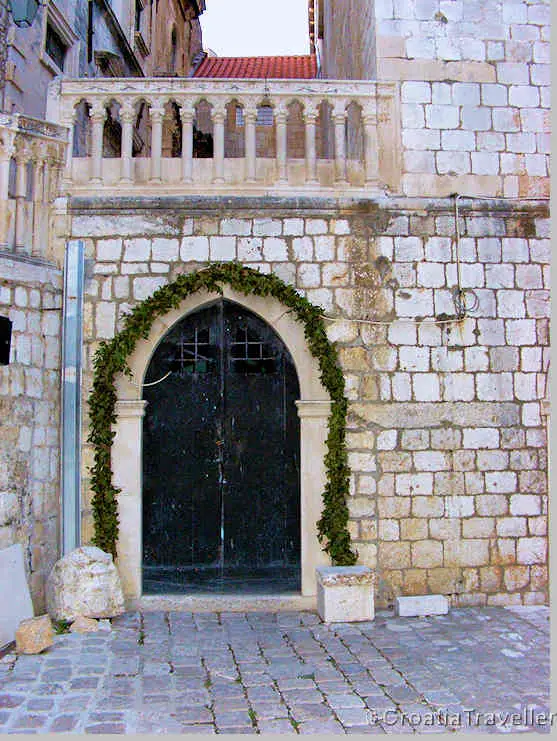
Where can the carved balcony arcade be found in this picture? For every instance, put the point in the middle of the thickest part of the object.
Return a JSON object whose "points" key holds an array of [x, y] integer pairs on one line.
{"points": [[32, 155], [209, 137]]}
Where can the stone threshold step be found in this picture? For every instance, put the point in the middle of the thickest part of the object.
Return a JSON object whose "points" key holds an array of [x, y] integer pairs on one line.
{"points": [[223, 602]]}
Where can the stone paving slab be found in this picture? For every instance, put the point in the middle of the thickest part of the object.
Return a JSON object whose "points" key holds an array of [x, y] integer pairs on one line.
{"points": [[473, 670]]}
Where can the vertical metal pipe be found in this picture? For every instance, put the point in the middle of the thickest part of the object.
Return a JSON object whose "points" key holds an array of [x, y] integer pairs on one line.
{"points": [[72, 320]]}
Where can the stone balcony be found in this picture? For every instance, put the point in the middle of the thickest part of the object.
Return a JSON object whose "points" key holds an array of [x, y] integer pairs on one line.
{"points": [[32, 155], [261, 137]]}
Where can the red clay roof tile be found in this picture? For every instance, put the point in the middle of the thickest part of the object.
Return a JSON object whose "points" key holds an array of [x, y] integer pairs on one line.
{"points": [[274, 68]]}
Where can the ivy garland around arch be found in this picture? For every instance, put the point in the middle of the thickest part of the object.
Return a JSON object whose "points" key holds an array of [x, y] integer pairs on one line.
{"points": [[111, 359]]}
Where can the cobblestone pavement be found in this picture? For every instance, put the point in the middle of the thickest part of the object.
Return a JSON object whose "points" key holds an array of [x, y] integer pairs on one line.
{"points": [[286, 673]]}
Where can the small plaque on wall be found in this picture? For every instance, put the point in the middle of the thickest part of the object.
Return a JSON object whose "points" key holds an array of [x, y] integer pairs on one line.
{"points": [[5, 339]]}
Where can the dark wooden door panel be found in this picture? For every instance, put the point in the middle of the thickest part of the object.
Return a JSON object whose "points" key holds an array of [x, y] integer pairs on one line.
{"points": [[221, 492]]}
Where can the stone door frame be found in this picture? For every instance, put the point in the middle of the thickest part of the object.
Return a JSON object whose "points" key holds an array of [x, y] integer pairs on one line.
{"points": [[314, 407]]}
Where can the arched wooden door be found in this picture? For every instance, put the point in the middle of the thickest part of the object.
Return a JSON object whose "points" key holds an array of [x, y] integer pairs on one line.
{"points": [[221, 483]]}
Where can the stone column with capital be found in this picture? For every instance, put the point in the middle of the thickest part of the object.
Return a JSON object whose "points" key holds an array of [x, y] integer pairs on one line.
{"points": [[281, 116], [310, 120], [39, 159], [97, 118], [69, 123], [371, 153], [22, 157], [127, 115], [187, 114], [219, 114], [157, 115], [250, 120], [339, 117], [7, 151]]}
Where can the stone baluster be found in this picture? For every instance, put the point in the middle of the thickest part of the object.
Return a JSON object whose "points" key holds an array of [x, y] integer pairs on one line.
{"points": [[127, 116], [157, 115], [22, 157], [371, 153], [219, 114], [38, 197], [250, 121], [310, 120], [281, 116], [69, 123], [7, 151], [187, 113], [97, 117], [339, 117]]}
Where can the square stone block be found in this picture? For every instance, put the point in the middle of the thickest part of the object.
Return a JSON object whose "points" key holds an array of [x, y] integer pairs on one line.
{"points": [[345, 593], [427, 604]]}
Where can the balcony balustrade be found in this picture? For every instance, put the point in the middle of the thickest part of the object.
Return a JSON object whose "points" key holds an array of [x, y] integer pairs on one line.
{"points": [[32, 155], [154, 136]]}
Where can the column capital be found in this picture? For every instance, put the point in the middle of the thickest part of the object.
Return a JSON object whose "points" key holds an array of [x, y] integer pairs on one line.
{"points": [[7, 146], [157, 114], [187, 112], [97, 113], [23, 154], [39, 151], [127, 112], [130, 408], [320, 408], [310, 115], [218, 114]]}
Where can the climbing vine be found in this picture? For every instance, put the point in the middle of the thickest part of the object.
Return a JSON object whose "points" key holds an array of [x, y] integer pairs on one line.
{"points": [[111, 358]]}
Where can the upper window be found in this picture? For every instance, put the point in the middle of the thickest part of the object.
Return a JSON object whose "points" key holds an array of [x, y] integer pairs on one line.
{"points": [[55, 46], [60, 43]]}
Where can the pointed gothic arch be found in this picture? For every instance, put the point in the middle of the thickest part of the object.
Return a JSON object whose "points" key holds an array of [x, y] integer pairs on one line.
{"points": [[117, 410]]}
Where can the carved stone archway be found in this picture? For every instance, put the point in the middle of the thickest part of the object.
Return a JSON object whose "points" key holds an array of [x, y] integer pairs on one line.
{"points": [[314, 408]]}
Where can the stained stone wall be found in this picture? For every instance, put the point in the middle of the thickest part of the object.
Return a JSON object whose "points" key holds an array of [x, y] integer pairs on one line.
{"points": [[30, 295], [446, 425]]}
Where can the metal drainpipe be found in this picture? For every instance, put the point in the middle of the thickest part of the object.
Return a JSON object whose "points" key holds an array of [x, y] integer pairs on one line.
{"points": [[72, 320]]}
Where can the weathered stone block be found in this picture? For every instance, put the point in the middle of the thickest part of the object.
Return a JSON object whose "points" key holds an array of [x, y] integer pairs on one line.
{"points": [[421, 605], [468, 552], [34, 635], [85, 582], [427, 554], [275, 249], [165, 250], [531, 550], [345, 593], [195, 249]]}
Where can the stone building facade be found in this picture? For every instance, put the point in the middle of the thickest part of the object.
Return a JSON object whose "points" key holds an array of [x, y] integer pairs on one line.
{"points": [[427, 248]]}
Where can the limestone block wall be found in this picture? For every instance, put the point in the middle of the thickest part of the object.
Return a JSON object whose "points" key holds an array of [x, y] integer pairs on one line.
{"points": [[30, 295], [475, 92], [446, 431]]}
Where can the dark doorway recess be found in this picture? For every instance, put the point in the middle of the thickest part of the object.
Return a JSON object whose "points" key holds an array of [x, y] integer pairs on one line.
{"points": [[221, 439]]}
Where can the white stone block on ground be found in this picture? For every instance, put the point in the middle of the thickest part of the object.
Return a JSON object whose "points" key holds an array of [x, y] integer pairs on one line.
{"points": [[15, 600], [427, 604], [85, 582], [345, 593], [34, 635]]}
